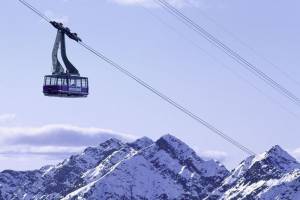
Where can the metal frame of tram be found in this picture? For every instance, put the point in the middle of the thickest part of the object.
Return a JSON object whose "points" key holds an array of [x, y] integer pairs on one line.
{"points": [[66, 86]]}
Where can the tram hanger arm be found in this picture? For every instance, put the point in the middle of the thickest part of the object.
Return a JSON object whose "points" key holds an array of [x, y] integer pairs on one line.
{"points": [[66, 30]]}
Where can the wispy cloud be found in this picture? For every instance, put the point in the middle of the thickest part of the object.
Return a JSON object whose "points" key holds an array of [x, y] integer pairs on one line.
{"points": [[52, 142], [7, 117], [57, 135], [42, 150], [214, 154]]}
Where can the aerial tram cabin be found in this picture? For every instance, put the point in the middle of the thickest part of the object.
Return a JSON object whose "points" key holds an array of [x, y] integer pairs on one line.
{"points": [[64, 83], [65, 86]]}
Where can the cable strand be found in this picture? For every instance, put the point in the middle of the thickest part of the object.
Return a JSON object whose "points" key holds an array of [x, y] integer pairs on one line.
{"points": [[169, 100], [35, 10], [233, 54]]}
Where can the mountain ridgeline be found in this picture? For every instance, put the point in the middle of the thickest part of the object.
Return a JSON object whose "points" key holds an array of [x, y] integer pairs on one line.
{"points": [[166, 169]]}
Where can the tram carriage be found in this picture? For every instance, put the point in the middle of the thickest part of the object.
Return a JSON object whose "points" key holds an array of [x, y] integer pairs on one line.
{"points": [[65, 86], [64, 83]]}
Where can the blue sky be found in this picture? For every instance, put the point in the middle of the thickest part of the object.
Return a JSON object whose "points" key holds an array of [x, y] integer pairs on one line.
{"points": [[156, 47]]}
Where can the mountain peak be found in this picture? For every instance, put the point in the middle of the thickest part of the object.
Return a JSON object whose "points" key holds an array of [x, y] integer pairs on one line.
{"points": [[141, 143], [174, 146], [272, 163], [276, 151], [273, 173], [171, 140], [279, 158], [276, 148], [276, 157], [112, 142]]}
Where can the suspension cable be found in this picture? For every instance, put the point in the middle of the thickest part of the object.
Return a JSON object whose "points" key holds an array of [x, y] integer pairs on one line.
{"points": [[153, 90], [169, 100], [227, 50], [35, 10], [243, 43], [217, 60]]}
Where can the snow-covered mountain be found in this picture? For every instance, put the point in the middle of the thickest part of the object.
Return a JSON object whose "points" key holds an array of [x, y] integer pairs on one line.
{"points": [[146, 170], [272, 175]]}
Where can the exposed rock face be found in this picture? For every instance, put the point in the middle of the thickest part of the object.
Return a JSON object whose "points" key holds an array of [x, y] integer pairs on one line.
{"points": [[146, 170]]}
